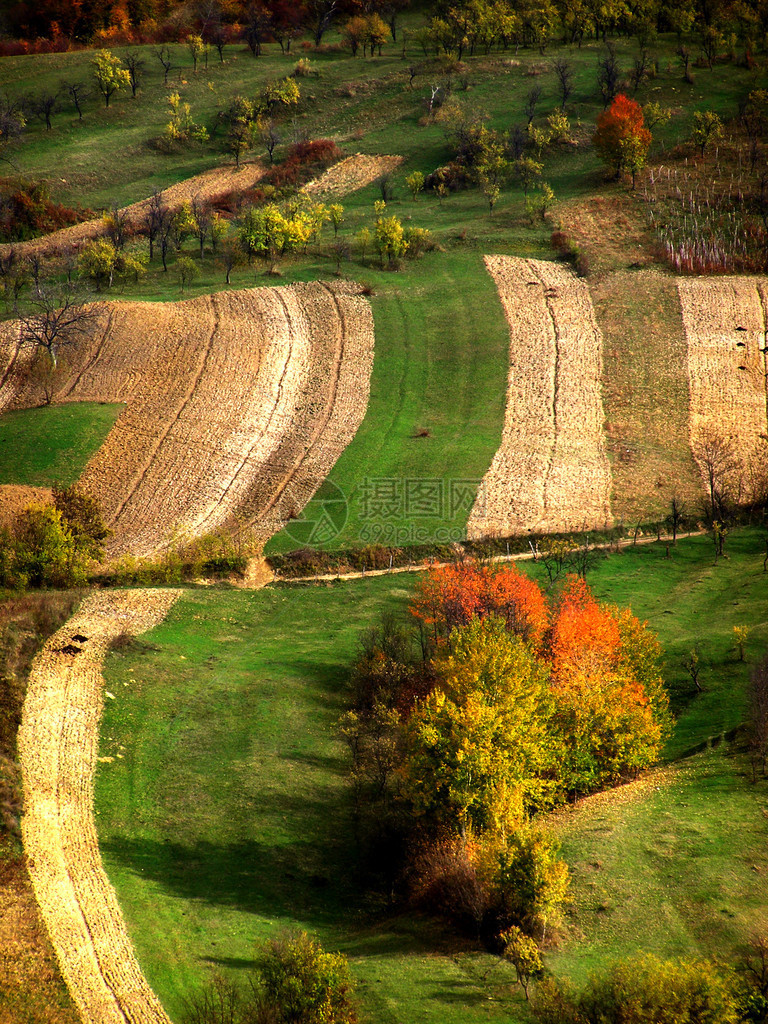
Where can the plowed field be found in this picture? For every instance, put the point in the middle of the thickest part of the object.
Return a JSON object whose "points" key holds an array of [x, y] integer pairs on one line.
{"points": [[58, 745], [725, 325], [551, 472], [238, 405]]}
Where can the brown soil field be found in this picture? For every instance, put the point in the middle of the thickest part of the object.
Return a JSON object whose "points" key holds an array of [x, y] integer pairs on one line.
{"points": [[14, 498], [237, 406], [352, 174], [58, 748], [204, 186], [551, 472], [725, 326]]}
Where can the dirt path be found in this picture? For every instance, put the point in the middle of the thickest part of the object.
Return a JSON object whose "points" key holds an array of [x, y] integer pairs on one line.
{"points": [[263, 575], [58, 747], [237, 406], [551, 472], [205, 186]]}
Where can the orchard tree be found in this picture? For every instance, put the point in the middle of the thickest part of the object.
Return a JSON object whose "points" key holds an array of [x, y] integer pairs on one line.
{"points": [[707, 128], [54, 319], [110, 74], [621, 135], [240, 120], [135, 66]]}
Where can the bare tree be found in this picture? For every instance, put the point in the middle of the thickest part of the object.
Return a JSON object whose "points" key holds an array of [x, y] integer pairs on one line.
{"points": [[641, 68], [564, 72], [230, 256], [321, 14], [78, 93], [684, 56], [12, 122], [163, 54], [44, 106], [531, 101], [135, 66], [157, 217], [116, 226], [676, 516], [35, 263], [717, 460], [258, 21], [202, 212], [270, 137], [608, 74], [54, 319]]}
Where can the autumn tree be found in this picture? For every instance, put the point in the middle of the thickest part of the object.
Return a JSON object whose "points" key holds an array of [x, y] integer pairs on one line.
{"points": [[110, 74], [621, 137], [707, 128], [475, 751]]}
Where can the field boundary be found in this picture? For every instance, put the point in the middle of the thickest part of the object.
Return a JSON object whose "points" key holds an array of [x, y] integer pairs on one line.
{"points": [[58, 753]]}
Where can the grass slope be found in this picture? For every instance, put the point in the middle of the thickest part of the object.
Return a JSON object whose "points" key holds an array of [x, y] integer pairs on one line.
{"points": [[223, 814], [440, 365], [678, 869], [52, 444]]}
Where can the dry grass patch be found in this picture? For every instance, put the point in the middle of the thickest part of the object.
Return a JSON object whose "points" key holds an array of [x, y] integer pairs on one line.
{"points": [[551, 472], [238, 405], [58, 747], [352, 174]]}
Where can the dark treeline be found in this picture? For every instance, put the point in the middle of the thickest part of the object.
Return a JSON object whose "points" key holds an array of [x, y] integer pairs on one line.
{"points": [[456, 26]]}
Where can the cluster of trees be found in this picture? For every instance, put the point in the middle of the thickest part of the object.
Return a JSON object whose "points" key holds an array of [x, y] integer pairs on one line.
{"points": [[482, 25], [501, 703], [461, 28], [53, 545]]}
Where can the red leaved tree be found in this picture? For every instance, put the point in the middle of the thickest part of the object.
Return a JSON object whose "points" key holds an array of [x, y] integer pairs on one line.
{"points": [[454, 595], [621, 138]]}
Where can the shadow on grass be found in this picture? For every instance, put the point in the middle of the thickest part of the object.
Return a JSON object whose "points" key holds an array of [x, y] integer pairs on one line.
{"points": [[294, 881]]}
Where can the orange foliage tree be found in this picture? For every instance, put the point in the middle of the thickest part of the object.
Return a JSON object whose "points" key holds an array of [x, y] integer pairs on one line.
{"points": [[621, 138], [605, 715], [453, 595]]}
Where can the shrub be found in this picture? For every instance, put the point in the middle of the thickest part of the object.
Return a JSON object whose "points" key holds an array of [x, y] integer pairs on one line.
{"points": [[26, 211], [299, 983]]}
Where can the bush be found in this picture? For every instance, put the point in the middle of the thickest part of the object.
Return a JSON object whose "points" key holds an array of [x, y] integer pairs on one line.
{"points": [[26, 211], [647, 989], [42, 550], [294, 982]]}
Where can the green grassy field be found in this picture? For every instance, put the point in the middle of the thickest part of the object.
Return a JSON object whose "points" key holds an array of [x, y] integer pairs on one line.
{"points": [[224, 817], [52, 444], [440, 366]]}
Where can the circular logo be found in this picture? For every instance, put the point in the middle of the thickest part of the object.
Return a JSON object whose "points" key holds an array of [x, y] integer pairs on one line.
{"points": [[322, 520]]}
